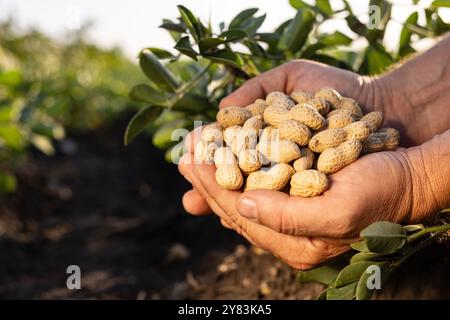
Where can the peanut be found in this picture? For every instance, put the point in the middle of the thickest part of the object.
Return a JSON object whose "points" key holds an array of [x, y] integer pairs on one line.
{"points": [[269, 133], [204, 151], [257, 108], [281, 151], [249, 160], [321, 105], [374, 120], [279, 99], [300, 96], [339, 118], [352, 106], [239, 139], [255, 123], [228, 174], [276, 178], [385, 139], [273, 115], [306, 114], [212, 133], [308, 183], [334, 159], [305, 161], [358, 130], [232, 116], [294, 131], [326, 139], [331, 95]]}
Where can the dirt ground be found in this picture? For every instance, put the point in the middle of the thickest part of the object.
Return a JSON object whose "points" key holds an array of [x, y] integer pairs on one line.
{"points": [[116, 213]]}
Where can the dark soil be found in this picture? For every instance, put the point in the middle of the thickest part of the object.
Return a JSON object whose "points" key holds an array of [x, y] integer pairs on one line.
{"points": [[116, 212]]}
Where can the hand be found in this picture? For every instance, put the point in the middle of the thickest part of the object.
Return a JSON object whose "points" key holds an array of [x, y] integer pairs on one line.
{"points": [[295, 75]]}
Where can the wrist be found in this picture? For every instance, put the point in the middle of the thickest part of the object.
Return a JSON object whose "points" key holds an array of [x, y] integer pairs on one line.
{"points": [[429, 165]]}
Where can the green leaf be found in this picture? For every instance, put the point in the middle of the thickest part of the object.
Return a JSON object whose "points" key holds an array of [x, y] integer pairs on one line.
{"points": [[10, 78], [355, 25], [191, 22], [359, 246], [299, 4], [163, 138], [12, 137], [140, 121], [384, 237], [252, 25], [161, 53], [174, 27], [42, 143], [296, 33], [362, 291], [255, 49], [351, 273], [192, 103], [226, 57], [377, 59], [324, 274], [184, 46], [385, 11], [209, 43], [173, 154], [413, 227], [233, 35], [365, 256], [345, 293], [324, 7], [441, 3], [8, 183], [145, 93], [156, 72], [242, 17], [335, 39], [405, 35]]}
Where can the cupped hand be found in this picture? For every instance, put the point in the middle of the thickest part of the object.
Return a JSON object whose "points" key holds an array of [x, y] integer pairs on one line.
{"points": [[305, 232], [296, 75]]}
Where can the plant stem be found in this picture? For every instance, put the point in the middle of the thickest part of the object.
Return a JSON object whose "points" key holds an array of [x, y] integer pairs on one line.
{"points": [[423, 232]]}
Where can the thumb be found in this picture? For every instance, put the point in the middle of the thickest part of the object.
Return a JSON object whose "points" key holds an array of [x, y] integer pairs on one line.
{"points": [[289, 214]]}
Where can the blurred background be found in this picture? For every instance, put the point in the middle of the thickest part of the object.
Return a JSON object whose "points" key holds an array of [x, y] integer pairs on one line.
{"points": [[71, 193]]}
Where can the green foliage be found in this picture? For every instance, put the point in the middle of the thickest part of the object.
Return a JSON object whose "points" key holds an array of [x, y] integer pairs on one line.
{"points": [[212, 62], [47, 87], [384, 244]]}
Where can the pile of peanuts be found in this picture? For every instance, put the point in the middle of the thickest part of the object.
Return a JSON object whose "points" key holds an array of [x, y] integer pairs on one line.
{"points": [[300, 138]]}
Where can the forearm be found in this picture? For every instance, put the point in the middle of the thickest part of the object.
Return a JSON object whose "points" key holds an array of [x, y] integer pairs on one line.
{"points": [[418, 95], [429, 165]]}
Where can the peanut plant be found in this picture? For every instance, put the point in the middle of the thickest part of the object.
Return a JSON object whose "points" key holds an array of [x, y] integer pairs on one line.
{"points": [[186, 84]]}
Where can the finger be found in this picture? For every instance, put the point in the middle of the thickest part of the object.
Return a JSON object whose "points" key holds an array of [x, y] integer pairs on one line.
{"points": [[292, 215], [226, 224], [186, 166], [195, 204], [258, 87]]}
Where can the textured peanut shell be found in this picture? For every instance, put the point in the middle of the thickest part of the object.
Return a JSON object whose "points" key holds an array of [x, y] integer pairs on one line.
{"points": [[224, 156], [386, 139], [281, 151], [334, 159], [294, 131], [307, 115], [229, 177], [351, 105], [279, 99], [276, 178], [305, 161], [274, 115], [232, 116], [339, 118], [204, 151], [374, 119], [308, 183], [249, 160], [301, 96], [326, 139], [269, 133], [257, 108], [254, 123], [331, 95], [213, 133], [321, 105], [358, 130]]}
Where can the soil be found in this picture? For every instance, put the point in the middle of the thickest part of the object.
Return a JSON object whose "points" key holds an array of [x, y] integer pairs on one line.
{"points": [[115, 212]]}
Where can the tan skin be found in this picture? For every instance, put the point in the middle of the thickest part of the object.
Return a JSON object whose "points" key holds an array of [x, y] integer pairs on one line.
{"points": [[406, 186]]}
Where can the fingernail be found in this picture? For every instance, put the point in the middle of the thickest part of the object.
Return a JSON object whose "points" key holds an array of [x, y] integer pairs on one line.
{"points": [[247, 208]]}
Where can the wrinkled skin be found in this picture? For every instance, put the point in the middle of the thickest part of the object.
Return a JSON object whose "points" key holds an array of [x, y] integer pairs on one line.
{"points": [[305, 232]]}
